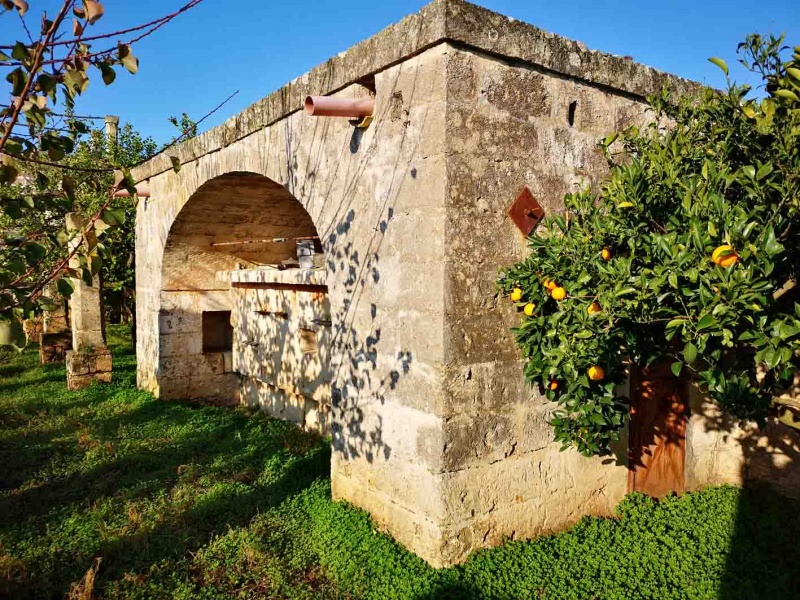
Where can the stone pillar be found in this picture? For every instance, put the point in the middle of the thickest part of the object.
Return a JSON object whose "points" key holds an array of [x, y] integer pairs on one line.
{"points": [[89, 360], [56, 338], [112, 128]]}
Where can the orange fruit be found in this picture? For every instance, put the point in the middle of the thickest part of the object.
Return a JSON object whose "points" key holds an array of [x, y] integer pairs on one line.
{"points": [[530, 307], [516, 295], [724, 256], [553, 385], [558, 293], [606, 254], [594, 308], [596, 373], [549, 284]]}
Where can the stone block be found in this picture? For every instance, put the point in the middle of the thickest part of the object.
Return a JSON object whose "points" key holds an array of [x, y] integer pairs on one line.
{"points": [[84, 366], [53, 347]]}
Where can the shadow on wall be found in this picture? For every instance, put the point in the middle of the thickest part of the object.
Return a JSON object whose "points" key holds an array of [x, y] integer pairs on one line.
{"points": [[367, 365], [358, 370], [364, 370], [764, 557]]}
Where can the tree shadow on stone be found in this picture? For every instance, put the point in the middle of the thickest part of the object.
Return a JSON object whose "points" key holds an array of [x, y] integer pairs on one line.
{"points": [[764, 557]]}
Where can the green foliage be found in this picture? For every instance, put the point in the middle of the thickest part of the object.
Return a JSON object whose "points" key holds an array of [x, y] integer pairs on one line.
{"points": [[182, 501], [45, 170], [710, 172], [113, 239], [186, 125]]}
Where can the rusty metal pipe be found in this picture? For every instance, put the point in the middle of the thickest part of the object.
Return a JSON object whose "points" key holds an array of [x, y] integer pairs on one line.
{"points": [[327, 106]]}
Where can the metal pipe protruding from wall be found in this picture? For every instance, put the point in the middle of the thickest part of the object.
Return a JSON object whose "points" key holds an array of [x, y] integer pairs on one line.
{"points": [[327, 106], [142, 190]]}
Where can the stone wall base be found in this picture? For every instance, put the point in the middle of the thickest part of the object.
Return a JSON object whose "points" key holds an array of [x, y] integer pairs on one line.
{"points": [[84, 367], [54, 347], [308, 413]]}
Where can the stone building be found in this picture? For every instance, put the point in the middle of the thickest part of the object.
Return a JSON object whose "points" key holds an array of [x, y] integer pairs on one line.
{"points": [[397, 343]]}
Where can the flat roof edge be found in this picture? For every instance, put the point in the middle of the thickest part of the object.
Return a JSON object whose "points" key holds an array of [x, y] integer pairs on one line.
{"points": [[439, 22]]}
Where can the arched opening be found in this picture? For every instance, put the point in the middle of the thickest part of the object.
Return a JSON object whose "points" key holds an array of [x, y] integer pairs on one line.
{"points": [[245, 315]]}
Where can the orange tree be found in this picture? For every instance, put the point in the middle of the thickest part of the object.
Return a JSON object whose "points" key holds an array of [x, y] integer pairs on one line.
{"points": [[689, 254]]}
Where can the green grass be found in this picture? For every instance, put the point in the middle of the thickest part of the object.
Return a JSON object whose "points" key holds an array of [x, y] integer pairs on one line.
{"points": [[182, 501]]}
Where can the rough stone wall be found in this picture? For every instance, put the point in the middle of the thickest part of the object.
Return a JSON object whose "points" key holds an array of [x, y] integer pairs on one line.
{"points": [[720, 450], [55, 339], [375, 197], [281, 350], [185, 371], [507, 127]]}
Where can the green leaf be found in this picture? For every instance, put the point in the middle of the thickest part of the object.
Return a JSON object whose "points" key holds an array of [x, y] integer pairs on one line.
{"points": [[34, 253], [788, 94], [705, 322], [46, 303], [720, 63], [676, 368], [13, 209], [20, 52], [4, 57], [676, 323], [772, 358], [114, 217], [127, 59], [109, 74], [771, 245], [749, 170], [65, 287], [673, 280], [765, 170], [690, 353], [69, 186], [610, 139]]}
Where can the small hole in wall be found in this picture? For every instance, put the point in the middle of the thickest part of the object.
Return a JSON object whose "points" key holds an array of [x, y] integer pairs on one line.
{"points": [[217, 331], [571, 113]]}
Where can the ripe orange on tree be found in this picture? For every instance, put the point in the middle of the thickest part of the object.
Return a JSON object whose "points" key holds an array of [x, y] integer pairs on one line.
{"points": [[724, 256], [596, 373]]}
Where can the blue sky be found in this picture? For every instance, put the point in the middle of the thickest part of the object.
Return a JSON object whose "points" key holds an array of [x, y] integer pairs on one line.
{"points": [[256, 46]]}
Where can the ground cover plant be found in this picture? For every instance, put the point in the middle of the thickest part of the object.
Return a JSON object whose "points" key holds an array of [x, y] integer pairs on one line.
{"points": [[108, 493]]}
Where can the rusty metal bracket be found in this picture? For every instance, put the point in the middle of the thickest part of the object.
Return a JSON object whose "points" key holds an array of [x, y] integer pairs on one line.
{"points": [[526, 212], [274, 313]]}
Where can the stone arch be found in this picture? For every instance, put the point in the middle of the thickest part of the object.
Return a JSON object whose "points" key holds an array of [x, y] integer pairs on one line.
{"points": [[235, 324], [376, 198]]}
